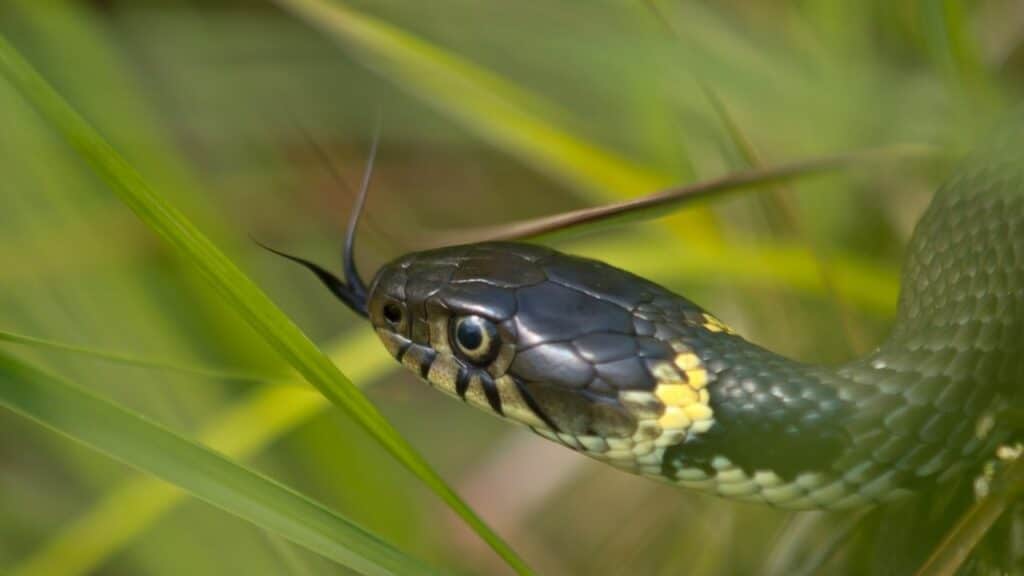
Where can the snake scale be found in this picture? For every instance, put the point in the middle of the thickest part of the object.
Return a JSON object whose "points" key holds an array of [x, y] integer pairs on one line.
{"points": [[625, 371]]}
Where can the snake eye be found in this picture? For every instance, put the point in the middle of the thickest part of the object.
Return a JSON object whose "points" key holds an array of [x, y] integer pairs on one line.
{"points": [[476, 339]]}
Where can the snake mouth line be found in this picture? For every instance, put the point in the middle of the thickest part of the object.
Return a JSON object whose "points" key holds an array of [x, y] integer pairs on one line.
{"points": [[446, 373], [533, 405]]}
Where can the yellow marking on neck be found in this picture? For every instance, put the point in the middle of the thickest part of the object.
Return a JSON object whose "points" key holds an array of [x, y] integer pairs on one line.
{"points": [[698, 412], [715, 325], [698, 378], [691, 366], [687, 361], [676, 395], [678, 407], [686, 401], [674, 418]]}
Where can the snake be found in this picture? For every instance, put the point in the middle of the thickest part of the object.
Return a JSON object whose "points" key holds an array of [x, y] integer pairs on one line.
{"points": [[623, 370]]}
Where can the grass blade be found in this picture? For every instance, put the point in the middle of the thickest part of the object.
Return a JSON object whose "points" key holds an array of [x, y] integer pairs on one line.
{"points": [[209, 476], [239, 432], [947, 558], [872, 287], [233, 285], [660, 203], [129, 360]]}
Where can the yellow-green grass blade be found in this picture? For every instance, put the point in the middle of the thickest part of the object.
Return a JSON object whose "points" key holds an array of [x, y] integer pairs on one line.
{"points": [[132, 439], [243, 296], [872, 287], [130, 360], [503, 114], [241, 431]]}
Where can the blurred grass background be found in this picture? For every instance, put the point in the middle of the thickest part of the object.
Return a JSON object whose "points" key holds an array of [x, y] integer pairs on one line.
{"points": [[491, 112]]}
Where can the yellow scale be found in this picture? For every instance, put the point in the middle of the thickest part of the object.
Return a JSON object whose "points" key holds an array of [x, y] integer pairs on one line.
{"points": [[678, 406]]}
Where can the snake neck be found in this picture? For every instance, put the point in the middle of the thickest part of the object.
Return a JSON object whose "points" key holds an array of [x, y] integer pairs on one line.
{"points": [[924, 406]]}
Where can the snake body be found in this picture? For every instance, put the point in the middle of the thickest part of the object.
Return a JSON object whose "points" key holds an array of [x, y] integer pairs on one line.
{"points": [[623, 370]]}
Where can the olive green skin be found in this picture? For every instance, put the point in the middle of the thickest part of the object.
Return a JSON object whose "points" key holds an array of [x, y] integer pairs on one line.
{"points": [[623, 370]]}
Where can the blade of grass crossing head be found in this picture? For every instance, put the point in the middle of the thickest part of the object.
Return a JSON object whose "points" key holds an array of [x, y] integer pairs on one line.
{"points": [[232, 284]]}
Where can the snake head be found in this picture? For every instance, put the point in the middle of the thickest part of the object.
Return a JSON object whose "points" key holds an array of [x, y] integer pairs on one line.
{"points": [[582, 352]]}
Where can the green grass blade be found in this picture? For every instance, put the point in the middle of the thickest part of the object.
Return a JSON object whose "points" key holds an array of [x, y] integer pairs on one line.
{"points": [[233, 285], [239, 432], [209, 476], [872, 287], [129, 360]]}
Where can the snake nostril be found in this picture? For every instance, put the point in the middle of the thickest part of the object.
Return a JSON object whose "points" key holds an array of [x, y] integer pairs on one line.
{"points": [[393, 313]]}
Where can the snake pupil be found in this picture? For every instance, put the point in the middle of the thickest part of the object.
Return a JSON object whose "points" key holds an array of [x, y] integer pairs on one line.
{"points": [[475, 339], [470, 335]]}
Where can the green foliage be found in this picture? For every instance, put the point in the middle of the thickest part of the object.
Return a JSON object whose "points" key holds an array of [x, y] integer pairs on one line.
{"points": [[493, 112], [237, 432], [206, 475]]}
